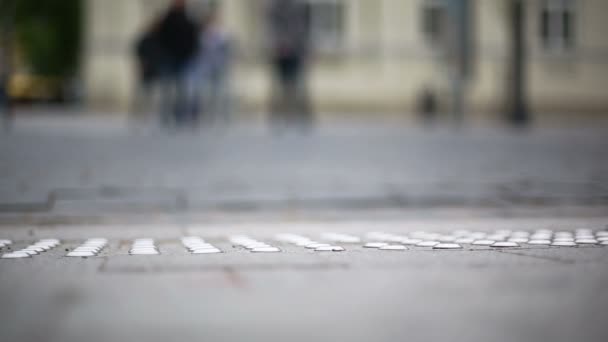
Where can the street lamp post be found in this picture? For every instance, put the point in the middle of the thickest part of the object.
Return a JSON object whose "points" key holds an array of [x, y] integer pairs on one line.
{"points": [[518, 111], [459, 53]]}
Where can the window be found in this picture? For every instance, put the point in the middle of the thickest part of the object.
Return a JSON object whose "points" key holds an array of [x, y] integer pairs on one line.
{"points": [[434, 16], [320, 23], [557, 25], [327, 24]]}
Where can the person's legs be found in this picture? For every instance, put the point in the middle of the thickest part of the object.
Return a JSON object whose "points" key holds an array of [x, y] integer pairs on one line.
{"points": [[6, 114], [179, 106], [192, 98], [283, 97], [276, 99], [186, 99], [3, 104], [196, 105], [291, 89], [303, 107], [138, 107], [221, 99], [167, 100]]}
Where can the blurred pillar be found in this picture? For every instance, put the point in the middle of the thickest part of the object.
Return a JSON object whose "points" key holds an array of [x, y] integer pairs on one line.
{"points": [[518, 112], [111, 28]]}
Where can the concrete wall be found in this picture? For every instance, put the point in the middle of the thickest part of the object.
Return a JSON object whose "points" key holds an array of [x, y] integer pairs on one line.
{"points": [[108, 66], [576, 80]]}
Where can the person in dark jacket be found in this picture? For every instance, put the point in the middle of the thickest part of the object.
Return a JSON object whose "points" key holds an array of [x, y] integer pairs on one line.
{"points": [[149, 55], [177, 37], [289, 24], [149, 58]]}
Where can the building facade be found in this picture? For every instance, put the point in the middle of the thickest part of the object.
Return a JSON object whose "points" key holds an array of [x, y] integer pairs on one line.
{"points": [[375, 56]]}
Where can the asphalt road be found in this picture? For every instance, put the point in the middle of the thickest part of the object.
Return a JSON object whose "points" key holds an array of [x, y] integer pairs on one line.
{"points": [[79, 179]]}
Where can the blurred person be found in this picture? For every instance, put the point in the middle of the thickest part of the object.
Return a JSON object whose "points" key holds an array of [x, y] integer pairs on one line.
{"points": [[210, 68], [427, 105], [150, 58], [7, 17], [5, 102], [178, 41], [289, 24]]}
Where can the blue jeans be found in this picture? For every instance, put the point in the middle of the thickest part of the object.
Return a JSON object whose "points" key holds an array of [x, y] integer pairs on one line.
{"points": [[176, 101]]}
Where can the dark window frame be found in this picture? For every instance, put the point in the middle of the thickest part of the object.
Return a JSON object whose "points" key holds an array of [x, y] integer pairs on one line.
{"points": [[434, 22], [557, 25], [327, 25]]}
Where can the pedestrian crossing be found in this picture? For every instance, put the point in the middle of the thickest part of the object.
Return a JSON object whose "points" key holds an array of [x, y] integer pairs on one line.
{"points": [[91, 247], [28, 251], [326, 242]]}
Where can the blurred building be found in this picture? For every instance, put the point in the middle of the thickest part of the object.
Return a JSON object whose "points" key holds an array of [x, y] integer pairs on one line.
{"points": [[379, 55]]}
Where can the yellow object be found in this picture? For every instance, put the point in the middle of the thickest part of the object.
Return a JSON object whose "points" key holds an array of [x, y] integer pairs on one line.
{"points": [[31, 87]]}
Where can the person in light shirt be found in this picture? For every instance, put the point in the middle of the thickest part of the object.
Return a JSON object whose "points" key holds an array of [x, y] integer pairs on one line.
{"points": [[210, 69]]}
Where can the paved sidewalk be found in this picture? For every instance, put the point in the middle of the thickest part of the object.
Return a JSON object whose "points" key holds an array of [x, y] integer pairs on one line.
{"points": [[529, 293], [84, 165], [81, 178]]}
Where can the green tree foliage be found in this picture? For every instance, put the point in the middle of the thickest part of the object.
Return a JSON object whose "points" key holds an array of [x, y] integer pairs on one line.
{"points": [[47, 32]]}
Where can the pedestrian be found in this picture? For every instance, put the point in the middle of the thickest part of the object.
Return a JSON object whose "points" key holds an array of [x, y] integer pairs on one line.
{"points": [[210, 69], [289, 24], [7, 23], [178, 41], [149, 58], [427, 105], [5, 108]]}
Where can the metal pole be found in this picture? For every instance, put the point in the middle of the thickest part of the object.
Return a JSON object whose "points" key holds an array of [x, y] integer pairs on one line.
{"points": [[519, 112], [458, 55]]}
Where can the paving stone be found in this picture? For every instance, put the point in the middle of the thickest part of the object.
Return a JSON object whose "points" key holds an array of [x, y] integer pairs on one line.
{"points": [[447, 246], [505, 244], [393, 248]]}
